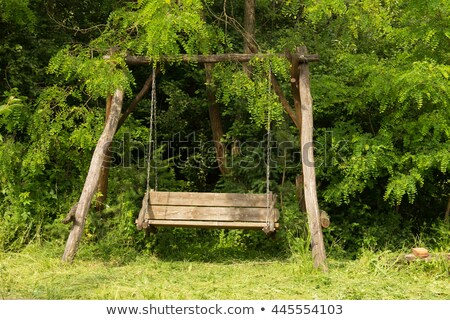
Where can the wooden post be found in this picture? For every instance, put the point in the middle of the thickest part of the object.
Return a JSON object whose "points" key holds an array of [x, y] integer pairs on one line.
{"points": [[92, 179], [299, 192], [104, 173], [309, 172]]}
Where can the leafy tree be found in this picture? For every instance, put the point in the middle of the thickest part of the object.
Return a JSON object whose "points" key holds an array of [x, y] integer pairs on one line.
{"points": [[41, 123], [381, 99]]}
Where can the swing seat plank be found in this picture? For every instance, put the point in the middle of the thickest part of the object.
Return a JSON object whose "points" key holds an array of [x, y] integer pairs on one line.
{"points": [[211, 224], [210, 210], [207, 199], [215, 213]]}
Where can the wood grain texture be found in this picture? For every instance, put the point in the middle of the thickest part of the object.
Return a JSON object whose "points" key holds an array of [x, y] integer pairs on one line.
{"points": [[308, 166], [93, 176], [210, 224], [210, 213], [209, 210], [210, 199], [324, 219], [214, 58]]}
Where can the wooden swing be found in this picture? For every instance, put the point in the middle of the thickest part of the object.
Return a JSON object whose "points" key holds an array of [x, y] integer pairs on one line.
{"points": [[206, 210]]}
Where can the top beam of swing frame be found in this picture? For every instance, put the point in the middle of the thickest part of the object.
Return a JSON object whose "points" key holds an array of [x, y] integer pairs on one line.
{"points": [[215, 58]]}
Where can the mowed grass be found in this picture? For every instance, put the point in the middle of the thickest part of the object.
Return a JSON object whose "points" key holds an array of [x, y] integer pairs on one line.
{"points": [[37, 273]]}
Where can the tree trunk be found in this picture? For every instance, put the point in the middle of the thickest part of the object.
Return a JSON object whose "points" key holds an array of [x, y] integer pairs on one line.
{"points": [[249, 27], [309, 174], [249, 32], [104, 171], [92, 179], [216, 121]]}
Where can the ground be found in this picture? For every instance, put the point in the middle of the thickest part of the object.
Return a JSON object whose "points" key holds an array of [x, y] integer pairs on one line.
{"points": [[37, 273]]}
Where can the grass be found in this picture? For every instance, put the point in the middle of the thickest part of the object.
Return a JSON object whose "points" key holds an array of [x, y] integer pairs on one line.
{"points": [[37, 273]]}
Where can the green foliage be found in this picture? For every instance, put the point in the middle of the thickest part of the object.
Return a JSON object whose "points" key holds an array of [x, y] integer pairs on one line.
{"points": [[17, 12], [316, 11], [14, 112], [381, 106], [154, 28], [407, 120], [37, 164], [99, 76], [391, 90], [439, 237], [236, 90]]}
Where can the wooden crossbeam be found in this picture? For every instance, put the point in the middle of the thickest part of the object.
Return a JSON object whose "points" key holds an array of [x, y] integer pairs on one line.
{"points": [[214, 58]]}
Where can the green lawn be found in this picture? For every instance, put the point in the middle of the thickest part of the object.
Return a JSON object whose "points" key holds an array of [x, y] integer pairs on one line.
{"points": [[37, 273]]}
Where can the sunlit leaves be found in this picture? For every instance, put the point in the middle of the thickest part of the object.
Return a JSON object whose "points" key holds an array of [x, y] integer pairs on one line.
{"points": [[13, 112], [318, 10], [394, 84], [406, 109], [401, 184], [254, 94], [99, 76], [154, 28], [10, 103]]}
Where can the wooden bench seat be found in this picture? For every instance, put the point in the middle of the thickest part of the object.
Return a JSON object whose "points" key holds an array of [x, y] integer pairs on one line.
{"points": [[208, 210]]}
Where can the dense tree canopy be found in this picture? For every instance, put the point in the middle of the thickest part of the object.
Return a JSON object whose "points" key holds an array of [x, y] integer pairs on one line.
{"points": [[381, 105]]}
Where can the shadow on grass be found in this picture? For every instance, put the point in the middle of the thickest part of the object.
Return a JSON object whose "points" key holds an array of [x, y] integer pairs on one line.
{"points": [[196, 245], [218, 246]]}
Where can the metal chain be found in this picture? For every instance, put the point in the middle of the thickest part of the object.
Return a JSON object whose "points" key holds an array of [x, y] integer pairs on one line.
{"points": [[268, 222], [155, 122], [150, 131]]}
